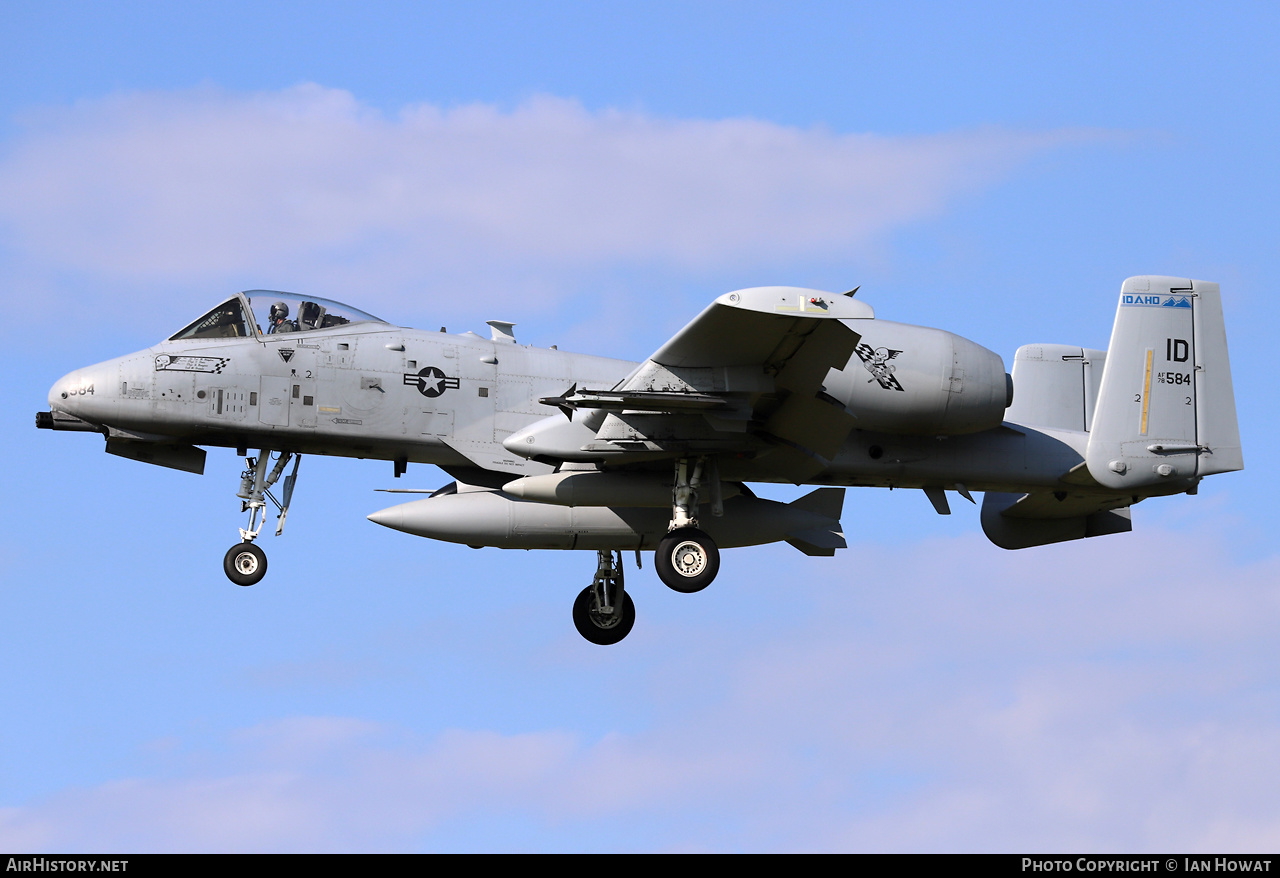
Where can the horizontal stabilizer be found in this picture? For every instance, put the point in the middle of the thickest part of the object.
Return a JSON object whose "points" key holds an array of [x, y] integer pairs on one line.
{"points": [[1059, 504], [1019, 521]]}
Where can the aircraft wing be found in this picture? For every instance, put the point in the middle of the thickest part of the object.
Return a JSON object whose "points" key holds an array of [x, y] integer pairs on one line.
{"points": [[749, 368], [759, 326]]}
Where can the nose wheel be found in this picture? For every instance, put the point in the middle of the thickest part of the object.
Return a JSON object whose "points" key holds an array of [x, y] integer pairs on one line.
{"points": [[603, 612], [245, 563]]}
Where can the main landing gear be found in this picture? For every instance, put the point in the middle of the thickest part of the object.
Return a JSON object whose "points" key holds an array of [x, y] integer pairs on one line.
{"points": [[245, 563], [687, 559], [603, 612]]}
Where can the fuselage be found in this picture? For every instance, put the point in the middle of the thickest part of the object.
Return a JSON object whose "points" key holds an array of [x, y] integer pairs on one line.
{"points": [[373, 390], [366, 390]]}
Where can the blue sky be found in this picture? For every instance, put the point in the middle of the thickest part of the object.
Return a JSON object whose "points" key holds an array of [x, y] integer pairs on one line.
{"points": [[597, 173]]}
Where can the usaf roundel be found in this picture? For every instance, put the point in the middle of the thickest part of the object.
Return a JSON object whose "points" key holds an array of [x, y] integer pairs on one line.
{"points": [[431, 381]]}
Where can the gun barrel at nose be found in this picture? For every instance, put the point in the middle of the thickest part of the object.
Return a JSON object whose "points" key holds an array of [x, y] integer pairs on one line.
{"points": [[56, 420]]}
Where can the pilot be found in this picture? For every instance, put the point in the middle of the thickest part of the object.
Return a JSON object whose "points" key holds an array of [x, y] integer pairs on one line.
{"points": [[279, 319]]}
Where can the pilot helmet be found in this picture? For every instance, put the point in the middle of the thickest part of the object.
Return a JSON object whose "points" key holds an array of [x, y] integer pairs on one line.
{"points": [[279, 311]]}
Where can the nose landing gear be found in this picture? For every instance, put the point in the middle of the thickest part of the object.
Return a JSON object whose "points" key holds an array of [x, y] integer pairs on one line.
{"points": [[245, 563], [604, 612]]}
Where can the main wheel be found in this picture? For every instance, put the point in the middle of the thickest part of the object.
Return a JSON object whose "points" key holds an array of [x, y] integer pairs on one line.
{"points": [[597, 627], [245, 564], [687, 560]]}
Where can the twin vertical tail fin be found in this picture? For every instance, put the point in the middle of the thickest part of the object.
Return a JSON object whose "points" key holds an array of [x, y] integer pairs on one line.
{"points": [[1166, 411]]}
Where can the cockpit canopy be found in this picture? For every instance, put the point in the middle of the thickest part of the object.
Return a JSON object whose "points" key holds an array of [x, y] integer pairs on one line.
{"points": [[255, 313]]}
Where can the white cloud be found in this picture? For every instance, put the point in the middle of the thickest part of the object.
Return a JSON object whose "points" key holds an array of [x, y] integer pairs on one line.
{"points": [[362, 792], [310, 184], [1108, 695]]}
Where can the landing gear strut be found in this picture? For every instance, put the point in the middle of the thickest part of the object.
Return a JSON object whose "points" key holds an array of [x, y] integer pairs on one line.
{"points": [[604, 612], [245, 563], [687, 559]]}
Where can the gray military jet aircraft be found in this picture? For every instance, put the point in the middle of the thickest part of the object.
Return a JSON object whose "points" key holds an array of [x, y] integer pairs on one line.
{"points": [[554, 450]]}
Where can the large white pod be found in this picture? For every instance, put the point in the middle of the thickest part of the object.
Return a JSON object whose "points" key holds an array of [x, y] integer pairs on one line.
{"points": [[478, 517]]}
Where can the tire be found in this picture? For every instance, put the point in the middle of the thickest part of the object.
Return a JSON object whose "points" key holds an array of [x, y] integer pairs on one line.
{"points": [[588, 622], [245, 564], [687, 560]]}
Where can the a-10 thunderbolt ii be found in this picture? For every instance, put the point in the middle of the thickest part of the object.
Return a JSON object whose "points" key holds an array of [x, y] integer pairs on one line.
{"points": [[555, 450]]}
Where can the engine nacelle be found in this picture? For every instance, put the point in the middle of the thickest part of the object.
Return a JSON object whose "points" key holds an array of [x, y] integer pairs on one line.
{"points": [[916, 380]]}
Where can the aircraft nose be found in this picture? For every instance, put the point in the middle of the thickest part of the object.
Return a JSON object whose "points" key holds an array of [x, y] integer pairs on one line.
{"points": [[65, 391], [88, 394]]}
